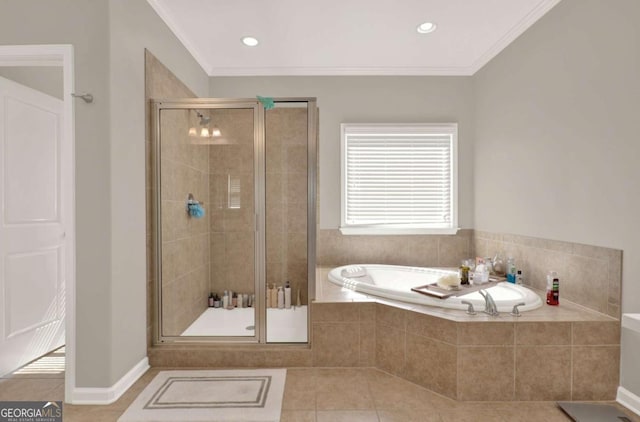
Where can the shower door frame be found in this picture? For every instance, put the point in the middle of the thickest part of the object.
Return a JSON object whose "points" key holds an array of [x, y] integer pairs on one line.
{"points": [[259, 160]]}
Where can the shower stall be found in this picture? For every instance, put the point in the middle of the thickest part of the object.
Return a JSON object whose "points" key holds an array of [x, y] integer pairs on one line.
{"points": [[235, 219]]}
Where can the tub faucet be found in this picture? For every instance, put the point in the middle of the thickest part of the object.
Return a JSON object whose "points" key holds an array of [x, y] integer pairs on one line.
{"points": [[489, 305]]}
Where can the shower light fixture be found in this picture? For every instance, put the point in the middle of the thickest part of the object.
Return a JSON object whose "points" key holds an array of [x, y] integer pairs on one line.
{"points": [[204, 130]]}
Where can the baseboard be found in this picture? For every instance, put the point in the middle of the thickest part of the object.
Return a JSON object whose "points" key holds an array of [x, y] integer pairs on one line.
{"points": [[628, 400], [108, 395]]}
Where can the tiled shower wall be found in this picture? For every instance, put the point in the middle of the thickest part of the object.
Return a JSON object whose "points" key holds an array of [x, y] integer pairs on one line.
{"points": [[590, 276], [232, 221], [286, 199], [232, 210], [185, 240]]}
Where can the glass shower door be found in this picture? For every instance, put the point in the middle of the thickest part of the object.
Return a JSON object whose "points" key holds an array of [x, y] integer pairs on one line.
{"points": [[207, 239], [235, 220], [288, 268]]}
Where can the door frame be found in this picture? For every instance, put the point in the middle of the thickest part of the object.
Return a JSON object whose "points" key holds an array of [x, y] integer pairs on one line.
{"points": [[59, 55]]}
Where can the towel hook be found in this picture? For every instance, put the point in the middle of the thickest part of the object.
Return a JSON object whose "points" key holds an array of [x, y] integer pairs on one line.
{"points": [[86, 97]]}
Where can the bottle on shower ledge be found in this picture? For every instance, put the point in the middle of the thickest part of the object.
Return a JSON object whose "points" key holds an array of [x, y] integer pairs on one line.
{"points": [[211, 300], [280, 297], [216, 301], [234, 300], [225, 300], [287, 295]]}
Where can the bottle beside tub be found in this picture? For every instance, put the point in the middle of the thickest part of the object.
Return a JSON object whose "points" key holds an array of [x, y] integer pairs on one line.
{"points": [[481, 273]]}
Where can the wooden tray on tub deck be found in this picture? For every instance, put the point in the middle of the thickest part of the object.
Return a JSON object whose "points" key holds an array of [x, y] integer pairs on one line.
{"points": [[439, 292]]}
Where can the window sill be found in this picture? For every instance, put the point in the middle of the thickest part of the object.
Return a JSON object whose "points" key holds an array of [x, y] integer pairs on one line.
{"points": [[382, 231]]}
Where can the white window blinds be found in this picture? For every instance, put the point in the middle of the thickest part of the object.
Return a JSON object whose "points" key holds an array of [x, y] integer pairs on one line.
{"points": [[399, 178]]}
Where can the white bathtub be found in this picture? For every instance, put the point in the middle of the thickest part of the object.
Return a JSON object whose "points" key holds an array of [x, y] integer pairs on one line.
{"points": [[395, 282]]}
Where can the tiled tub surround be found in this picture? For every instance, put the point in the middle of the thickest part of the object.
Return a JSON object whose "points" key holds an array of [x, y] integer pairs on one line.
{"points": [[501, 360], [589, 275], [552, 353], [334, 249]]}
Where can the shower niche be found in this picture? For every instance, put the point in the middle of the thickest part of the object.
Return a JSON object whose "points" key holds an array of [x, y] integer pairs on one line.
{"points": [[235, 212]]}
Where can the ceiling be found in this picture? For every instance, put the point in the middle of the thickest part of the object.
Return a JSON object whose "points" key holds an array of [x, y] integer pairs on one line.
{"points": [[347, 37]]}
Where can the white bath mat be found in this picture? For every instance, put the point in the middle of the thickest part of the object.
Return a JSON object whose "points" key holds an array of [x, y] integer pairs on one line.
{"points": [[220, 396]]}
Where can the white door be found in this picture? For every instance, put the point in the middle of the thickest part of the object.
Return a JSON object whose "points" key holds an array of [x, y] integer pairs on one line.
{"points": [[34, 185]]}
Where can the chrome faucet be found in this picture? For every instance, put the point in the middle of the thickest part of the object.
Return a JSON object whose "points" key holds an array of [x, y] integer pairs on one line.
{"points": [[489, 305]]}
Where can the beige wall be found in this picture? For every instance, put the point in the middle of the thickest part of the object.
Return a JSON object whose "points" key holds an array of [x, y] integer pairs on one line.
{"points": [[363, 99], [556, 136]]}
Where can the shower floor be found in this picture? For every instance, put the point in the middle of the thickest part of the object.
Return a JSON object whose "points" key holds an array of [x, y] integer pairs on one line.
{"points": [[283, 325]]}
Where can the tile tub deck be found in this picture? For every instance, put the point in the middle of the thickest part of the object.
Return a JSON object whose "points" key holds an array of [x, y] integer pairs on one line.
{"points": [[566, 352]]}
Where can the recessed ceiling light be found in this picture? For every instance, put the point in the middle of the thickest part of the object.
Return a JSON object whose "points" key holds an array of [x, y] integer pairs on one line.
{"points": [[426, 27], [250, 41]]}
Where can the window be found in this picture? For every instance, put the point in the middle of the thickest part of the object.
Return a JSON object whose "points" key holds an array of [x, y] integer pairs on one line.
{"points": [[399, 178]]}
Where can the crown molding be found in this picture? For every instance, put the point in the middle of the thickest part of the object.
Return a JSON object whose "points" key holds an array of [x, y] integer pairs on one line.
{"points": [[182, 37], [518, 29], [341, 71]]}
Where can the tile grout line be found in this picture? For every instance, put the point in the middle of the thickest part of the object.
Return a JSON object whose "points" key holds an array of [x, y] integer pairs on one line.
{"points": [[515, 363], [571, 361]]}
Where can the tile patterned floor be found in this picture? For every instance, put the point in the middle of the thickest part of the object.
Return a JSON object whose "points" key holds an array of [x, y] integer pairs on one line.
{"points": [[315, 395]]}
